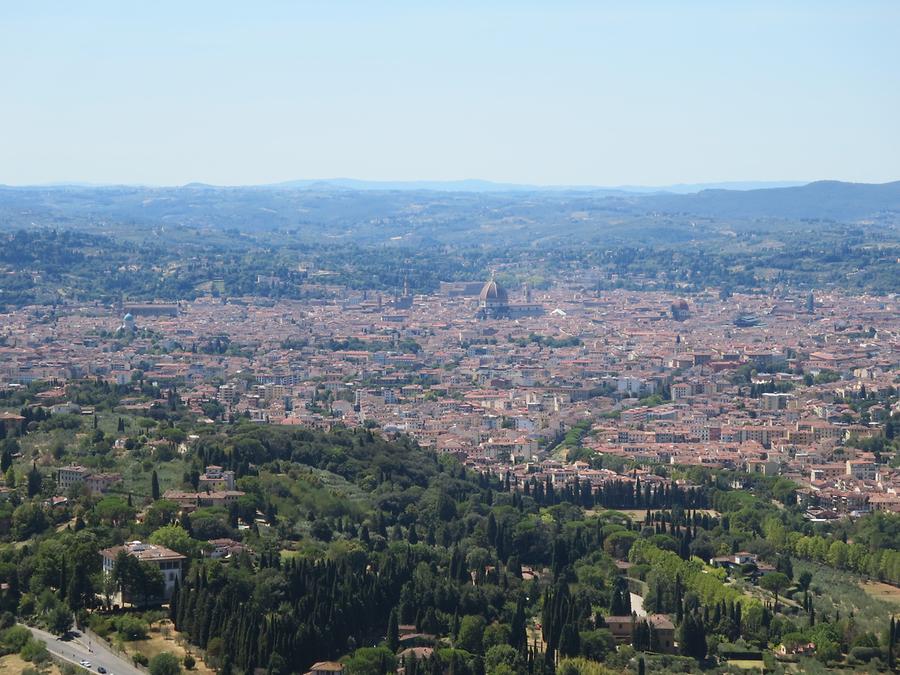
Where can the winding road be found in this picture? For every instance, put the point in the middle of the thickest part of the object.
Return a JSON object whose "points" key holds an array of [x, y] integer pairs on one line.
{"points": [[76, 649]]}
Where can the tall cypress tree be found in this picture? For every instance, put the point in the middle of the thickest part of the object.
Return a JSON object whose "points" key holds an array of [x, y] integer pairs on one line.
{"points": [[154, 486], [393, 632], [518, 637], [569, 641], [693, 637], [892, 634], [6, 458], [35, 480]]}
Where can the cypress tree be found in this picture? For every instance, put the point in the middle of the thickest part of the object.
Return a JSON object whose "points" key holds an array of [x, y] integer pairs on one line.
{"points": [[34, 480], [693, 637], [173, 603], [518, 637], [154, 486], [892, 634], [393, 632], [569, 641], [621, 599], [226, 663]]}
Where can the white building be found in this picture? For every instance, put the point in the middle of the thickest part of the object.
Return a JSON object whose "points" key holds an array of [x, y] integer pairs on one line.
{"points": [[169, 562]]}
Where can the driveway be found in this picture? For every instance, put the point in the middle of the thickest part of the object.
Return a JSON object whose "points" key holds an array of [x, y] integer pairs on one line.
{"points": [[637, 604]]}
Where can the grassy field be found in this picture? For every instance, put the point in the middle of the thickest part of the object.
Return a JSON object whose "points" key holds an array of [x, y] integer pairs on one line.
{"points": [[164, 638], [639, 514], [13, 664], [746, 665], [880, 591]]}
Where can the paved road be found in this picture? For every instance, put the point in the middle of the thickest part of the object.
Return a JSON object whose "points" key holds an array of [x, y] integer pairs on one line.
{"points": [[89, 649]]}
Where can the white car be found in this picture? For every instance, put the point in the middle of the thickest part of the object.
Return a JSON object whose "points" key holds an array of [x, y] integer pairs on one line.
{"points": [[85, 663]]}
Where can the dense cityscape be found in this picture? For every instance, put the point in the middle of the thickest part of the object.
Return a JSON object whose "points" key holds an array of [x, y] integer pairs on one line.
{"points": [[584, 452]]}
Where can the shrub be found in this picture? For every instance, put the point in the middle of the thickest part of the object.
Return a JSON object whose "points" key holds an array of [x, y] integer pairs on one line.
{"points": [[131, 627], [371, 660], [214, 649], [35, 652], [101, 625], [864, 654], [471, 632], [165, 664], [580, 666], [140, 660], [26, 605], [189, 662], [15, 638]]}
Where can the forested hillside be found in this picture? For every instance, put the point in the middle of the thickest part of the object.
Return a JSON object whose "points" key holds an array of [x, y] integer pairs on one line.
{"points": [[357, 546]]}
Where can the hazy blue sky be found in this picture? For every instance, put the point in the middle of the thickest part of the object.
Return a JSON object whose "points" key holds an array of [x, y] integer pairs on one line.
{"points": [[550, 92]]}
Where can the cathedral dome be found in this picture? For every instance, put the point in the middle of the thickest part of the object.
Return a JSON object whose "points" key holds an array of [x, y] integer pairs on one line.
{"points": [[494, 293]]}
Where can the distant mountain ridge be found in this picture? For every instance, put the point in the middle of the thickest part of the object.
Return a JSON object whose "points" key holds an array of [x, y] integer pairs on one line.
{"points": [[464, 185], [833, 200], [477, 185], [425, 213]]}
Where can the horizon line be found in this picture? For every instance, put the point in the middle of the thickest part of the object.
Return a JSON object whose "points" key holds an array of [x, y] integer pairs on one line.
{"points": [[459, 184]]}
